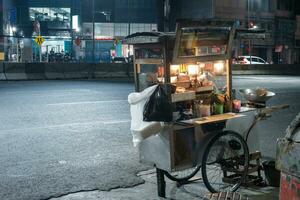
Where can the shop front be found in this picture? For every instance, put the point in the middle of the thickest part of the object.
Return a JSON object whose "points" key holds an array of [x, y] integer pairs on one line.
{"points": [[53, 49]]}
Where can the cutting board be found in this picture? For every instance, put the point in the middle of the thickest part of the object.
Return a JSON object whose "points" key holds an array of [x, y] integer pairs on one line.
{"points": [[215, 118]]}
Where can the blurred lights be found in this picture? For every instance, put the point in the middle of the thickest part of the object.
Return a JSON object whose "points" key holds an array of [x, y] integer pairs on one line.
{"points": [[75, 23], [202, 65], [174, 69], [173, 79], [193, 69], [219, 67]]}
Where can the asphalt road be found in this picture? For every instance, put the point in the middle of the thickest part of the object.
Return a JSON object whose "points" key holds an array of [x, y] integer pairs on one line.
{"points": [[287, 91], [60, 137]]}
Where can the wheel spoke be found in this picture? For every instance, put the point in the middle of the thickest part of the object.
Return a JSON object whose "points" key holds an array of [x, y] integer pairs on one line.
{"points": [[226, 155]]}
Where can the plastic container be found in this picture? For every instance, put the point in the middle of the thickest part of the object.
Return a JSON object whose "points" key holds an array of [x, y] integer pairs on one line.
{"points": [[218, 109], [205, 110], [237, 104]]}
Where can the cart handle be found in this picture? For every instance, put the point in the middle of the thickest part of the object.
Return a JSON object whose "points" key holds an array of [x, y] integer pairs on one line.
{"points": [[263, 114], [269, 110]]}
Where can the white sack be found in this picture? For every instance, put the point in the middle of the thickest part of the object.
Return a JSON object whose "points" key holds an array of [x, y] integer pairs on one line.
{"points": [[141, 130]]}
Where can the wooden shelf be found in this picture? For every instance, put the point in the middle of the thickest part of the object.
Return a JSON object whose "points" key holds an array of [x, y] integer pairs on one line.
{"points": [[184, 96], [205, 89]]}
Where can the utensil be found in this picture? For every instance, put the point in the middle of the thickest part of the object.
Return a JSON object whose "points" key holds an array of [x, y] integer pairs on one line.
{"points": [[259, 95]]}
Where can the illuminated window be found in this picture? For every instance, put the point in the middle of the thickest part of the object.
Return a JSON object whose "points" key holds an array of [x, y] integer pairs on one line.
{"points": [[50, 14]]}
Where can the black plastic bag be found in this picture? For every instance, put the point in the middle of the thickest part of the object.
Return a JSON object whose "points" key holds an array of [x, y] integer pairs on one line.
{"points": [[158, 107]]}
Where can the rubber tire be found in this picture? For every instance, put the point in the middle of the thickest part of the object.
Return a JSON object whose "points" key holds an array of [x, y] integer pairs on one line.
{"points": [[206, 153], [184, 179]]}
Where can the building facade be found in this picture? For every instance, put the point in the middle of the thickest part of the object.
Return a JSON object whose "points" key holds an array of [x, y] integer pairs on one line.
{"points": [[111, 21], [89, 30], [24, 20], [277, 17]]}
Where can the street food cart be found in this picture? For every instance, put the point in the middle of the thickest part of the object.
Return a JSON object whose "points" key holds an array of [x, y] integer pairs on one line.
{"points": [[210, 128]]}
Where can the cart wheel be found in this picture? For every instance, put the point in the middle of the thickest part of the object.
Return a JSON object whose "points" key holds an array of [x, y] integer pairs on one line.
{"points": [[183, 175], [225, 162]]}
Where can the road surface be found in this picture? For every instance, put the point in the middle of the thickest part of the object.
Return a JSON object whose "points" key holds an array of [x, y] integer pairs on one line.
{"points": [[60, 137]]}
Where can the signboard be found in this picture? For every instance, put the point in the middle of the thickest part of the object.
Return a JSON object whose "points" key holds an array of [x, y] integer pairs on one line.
{"points": [[39, 40], [2, 57]]}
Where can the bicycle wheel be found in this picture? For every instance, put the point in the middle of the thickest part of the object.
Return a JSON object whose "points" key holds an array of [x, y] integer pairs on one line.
{"points": [[183, 175], [225, 162]]}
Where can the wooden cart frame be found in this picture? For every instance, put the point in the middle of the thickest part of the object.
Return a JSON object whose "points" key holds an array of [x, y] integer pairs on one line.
{"points": [[161, 150]]}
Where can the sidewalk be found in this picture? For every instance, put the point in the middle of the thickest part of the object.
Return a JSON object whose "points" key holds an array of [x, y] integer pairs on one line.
{"points": [[148, 191]]}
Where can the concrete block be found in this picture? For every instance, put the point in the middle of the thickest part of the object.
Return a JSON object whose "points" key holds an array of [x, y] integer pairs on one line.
{"points": [[54, 71], [15, 71], [35, 71], [111, 71], [77, 70], [2, 74]]}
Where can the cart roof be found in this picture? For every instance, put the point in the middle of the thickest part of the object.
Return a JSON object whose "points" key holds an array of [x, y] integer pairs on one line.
{"points": [[148, 37], [251, 34]]}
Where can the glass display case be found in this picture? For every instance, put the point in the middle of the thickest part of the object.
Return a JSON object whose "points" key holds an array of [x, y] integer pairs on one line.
{"points": [[196, 42], [152, 56]]}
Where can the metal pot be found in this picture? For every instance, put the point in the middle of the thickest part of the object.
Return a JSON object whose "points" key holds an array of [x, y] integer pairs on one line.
{"points": [[259, 95]]}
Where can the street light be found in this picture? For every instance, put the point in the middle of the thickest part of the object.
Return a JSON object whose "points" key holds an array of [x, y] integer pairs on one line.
{"points": [[14, 29], [248, 25], [167, 15], [107, 15], [248, 12], [93, 11]]}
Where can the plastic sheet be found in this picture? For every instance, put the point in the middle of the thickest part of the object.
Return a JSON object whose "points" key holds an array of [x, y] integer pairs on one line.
{"points": [[158, 108]]}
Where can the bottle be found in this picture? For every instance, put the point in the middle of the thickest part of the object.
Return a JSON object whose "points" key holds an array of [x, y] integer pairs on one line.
{"points": [[204, 109]]}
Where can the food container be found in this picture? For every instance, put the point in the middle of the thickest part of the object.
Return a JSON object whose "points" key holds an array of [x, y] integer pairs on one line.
{"points": [[237, 104], [184, 84], [183, 77], [218, 109], [205, 110], [258, 95]]}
